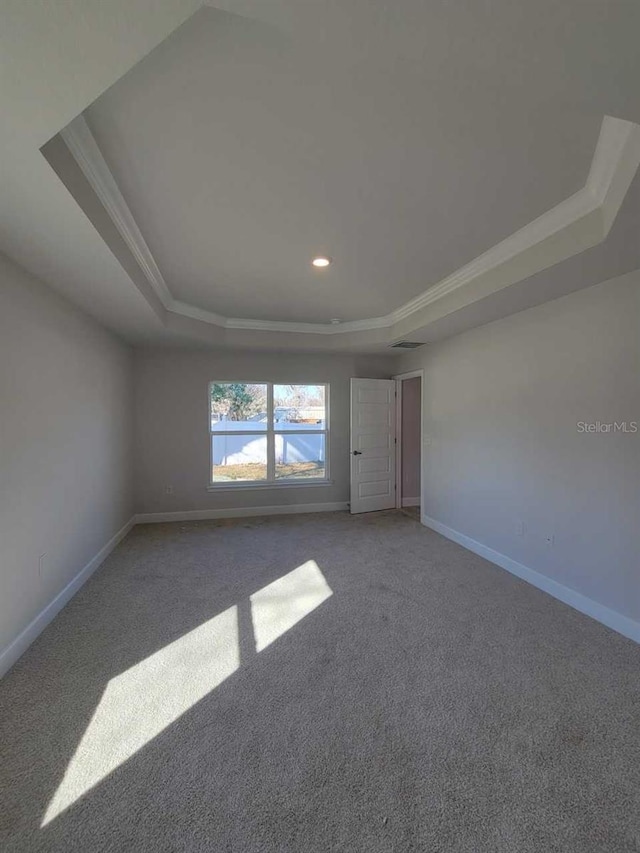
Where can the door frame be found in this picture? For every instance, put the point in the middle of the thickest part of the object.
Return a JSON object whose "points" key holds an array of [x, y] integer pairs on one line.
{"points": [[400, 377]]}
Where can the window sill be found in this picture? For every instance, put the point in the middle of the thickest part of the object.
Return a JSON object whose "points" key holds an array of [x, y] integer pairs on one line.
{"points": [[289, 484]]}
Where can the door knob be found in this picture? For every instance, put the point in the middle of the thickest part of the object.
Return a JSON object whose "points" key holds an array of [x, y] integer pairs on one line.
{"points": [[357, 453]]}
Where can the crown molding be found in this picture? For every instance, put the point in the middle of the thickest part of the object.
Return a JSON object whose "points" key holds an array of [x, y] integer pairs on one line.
{"points": [[312, 328], [87, 154], [615, 162], [552, 222], [185, 309], [614, 165]]}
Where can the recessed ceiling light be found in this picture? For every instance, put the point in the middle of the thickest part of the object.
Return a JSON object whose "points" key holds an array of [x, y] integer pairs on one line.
{"points": [[334, 321], [321, 261]]}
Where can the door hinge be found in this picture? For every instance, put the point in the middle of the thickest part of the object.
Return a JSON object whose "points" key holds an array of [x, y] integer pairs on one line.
{"points": [[395, 440]]}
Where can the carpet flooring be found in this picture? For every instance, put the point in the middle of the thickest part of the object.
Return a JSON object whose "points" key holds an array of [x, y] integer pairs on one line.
{"points": [[412, 512], [318, 683]]}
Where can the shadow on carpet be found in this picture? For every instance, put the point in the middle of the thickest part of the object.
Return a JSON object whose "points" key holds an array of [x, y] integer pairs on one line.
{"points": [[318, 683]]}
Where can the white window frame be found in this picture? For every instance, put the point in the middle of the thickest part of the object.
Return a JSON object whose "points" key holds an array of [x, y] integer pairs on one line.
{"points": [[270, 433]]}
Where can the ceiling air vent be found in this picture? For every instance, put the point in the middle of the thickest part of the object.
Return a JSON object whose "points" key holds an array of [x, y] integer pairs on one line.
{"points": [[407, 344]]}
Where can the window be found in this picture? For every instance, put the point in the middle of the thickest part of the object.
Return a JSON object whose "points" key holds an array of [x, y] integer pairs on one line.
{"points": [[263, 433]]}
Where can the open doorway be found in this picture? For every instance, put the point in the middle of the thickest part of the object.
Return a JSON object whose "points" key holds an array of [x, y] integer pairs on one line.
{"points": [[409, 443]]}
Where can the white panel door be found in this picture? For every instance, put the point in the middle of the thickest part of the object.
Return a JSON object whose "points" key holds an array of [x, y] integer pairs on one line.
{"points": [[373, 453]]}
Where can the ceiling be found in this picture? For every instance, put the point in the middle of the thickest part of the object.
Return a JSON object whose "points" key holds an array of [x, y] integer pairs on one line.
{"points": [[242, 152], [404, 140]]}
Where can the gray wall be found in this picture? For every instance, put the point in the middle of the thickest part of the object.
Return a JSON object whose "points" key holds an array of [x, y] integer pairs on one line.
{"points": [[66, 432], [502, 404], [411, 438], [172, 437]]}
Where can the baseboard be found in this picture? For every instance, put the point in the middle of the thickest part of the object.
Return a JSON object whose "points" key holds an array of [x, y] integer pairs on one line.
{"points": [[238, 512], [611, 618], [22, 642], [410, 501]]}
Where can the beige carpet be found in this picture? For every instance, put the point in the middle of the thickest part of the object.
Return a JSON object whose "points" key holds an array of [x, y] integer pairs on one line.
{"points": [[318, 683], [412, 512]]}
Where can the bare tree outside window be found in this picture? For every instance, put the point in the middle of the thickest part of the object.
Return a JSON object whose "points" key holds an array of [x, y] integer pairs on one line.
{"points": [[237, 401]]}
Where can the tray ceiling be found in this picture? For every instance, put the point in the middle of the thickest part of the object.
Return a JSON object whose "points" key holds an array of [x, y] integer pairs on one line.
{"points": [[243, 151], [408, 142]]}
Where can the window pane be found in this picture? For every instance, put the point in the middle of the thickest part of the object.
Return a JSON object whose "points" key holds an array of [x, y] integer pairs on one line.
{"points": [[238, 406], [299, 407], [299, 455], [238, 457]]}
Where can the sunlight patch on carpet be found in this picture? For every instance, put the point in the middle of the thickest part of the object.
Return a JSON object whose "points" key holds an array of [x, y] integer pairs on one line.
{"points": [[141, 702], [276, 608]]}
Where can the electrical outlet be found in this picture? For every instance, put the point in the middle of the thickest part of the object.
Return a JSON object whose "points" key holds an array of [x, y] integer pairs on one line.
{"points": [[168, 490], [520, 528], [41, 565]]}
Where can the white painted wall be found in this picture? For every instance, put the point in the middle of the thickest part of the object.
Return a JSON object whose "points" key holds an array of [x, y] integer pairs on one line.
{"points": [[65, 445], [501, 409], [172, 437]]}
